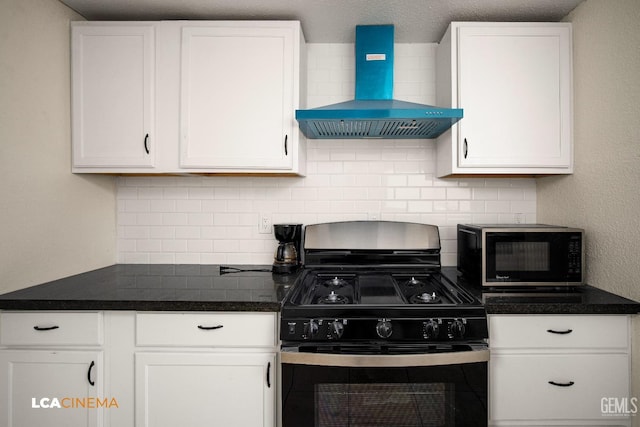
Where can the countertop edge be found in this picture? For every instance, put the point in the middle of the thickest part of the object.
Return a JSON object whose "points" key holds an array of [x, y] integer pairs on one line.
{"points": [[139, 305], [553, 309]]}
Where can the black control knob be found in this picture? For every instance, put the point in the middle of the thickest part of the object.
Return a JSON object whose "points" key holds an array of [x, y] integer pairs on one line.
{"points": [[457, 329], [384, 328], [310, 329], [335, 330], [431, 329]]}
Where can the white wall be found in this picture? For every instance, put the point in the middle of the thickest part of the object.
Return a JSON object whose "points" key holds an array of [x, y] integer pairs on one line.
{"points": [[52, 223], [215, 219], [603, 195]]}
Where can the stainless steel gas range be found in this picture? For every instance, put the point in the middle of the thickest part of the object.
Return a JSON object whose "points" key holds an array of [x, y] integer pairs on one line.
{"points": [[374, 335]]}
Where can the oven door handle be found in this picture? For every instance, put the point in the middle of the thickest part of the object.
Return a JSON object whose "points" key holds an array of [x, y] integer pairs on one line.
{"points": [[383, 361]]}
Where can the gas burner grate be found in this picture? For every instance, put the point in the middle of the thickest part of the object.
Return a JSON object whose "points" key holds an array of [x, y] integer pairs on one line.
{"points": [[336, 282], [414, 282], [333, 298], [425, 298]]}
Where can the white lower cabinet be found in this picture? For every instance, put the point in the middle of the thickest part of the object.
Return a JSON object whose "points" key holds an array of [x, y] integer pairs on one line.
{"points": [[213, 369], [559, 370], [128, 369], [198, 389], [51, 369]]}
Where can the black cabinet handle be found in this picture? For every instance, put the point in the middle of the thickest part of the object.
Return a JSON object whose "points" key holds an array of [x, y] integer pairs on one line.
{"points": [[269, 375], [569, 384], [89, 373], [46, 328], [466, 148], [209, 328], [565, 332], [286, 151], [146, 146]]}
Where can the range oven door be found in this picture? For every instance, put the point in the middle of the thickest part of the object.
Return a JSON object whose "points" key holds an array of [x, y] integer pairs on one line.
{"points": [[338, 390]]}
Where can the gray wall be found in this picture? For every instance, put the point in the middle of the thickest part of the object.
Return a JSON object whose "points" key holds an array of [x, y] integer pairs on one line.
{"points": [[52, 223]]}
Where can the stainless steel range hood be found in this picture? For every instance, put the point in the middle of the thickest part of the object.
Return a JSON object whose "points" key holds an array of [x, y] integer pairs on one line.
{"points": [[374, 113]]}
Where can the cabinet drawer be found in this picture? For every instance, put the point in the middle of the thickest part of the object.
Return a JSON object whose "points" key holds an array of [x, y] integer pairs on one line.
{"points": [[520, 388], [564, 331], [50, 328], [206, 329]]}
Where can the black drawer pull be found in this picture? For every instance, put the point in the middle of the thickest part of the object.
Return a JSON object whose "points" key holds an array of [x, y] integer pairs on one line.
{"points": [[146, 146], [565, 332], [269, 375], [46, 328], [286, 151], [569, 384], [209, 328], [89, 373]]}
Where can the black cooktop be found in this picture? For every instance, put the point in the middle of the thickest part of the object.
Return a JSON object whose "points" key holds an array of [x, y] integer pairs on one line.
{"points": [[406, 293], [377, 288]]}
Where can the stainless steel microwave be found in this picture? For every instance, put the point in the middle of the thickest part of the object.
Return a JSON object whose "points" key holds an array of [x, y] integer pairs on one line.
{"points": [[521, 254]]}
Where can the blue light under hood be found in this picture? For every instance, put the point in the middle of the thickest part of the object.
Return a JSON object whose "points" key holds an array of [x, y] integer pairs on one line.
{"points": [[374, 114]]}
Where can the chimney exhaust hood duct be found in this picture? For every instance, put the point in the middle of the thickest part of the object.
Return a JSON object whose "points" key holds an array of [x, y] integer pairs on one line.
{"points": [[374, 113]]}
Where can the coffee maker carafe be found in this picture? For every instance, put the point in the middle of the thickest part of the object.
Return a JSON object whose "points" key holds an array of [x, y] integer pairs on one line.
{"points": [[287, 256]]}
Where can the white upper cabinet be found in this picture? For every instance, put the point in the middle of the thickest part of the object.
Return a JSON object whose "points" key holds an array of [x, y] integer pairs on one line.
{"points": [[113, 71], [222, 100], [237, 97], [514, 82]]}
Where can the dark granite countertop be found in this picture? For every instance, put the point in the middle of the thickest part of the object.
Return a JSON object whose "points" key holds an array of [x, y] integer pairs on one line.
{"points": [[168, 287], [585, 299], [163, 287]]}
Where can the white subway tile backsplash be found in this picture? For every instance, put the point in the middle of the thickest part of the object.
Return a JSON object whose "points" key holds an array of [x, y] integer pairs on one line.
{"points": [[189, 232], [162, 206], [136, 206], [174, 219], [421, 206], [485, 194], [174, 245], [407, 193], [214, 220], [523, 206], [149, 218], [457, 193], [514, 193], [188, 206], [497, 207], [433, 193]]}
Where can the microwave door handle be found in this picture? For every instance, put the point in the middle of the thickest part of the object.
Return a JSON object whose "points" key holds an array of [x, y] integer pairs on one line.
{"points": [[467, 231]]}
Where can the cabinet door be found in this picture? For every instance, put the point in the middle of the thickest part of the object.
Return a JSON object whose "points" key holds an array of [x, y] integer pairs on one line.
{"points": [[236, 98], [32, 379], [112, 95], [515, 89], [205, 389]]}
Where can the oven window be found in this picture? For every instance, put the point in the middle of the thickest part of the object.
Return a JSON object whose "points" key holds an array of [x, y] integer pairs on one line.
{"points": [[383, 405], [418, 396]]}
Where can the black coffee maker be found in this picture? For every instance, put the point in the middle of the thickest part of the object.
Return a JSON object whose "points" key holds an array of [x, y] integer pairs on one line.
{"points": [[287, 257]]}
